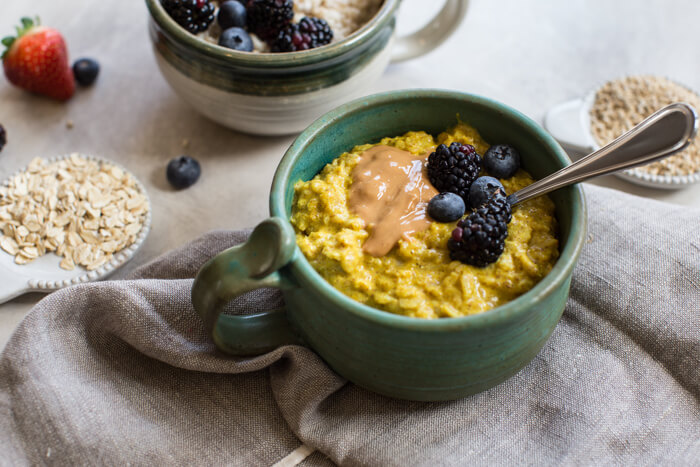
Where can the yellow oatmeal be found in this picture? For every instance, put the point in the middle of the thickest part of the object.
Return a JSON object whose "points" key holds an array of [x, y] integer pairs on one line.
{"points": [[417, 278]]}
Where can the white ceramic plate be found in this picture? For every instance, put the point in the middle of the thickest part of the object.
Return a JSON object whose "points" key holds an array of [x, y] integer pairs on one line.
{"points": [[44, 274], [570, 124]]}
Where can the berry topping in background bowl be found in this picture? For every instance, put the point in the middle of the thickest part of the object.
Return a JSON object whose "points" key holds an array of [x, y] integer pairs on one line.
{"points": [[193, 15], [275, 25], [309, 33], [236, 39], [261, 25], [3, 137], [266, 18], [37, 60], [85, 71], [232, 14]]}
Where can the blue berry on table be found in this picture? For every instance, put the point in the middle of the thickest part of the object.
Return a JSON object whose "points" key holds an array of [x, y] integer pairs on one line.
{"points": [[309, 33], [85, 71], [236, 39], [183, 172], [266, 18], [193, 15], [232, 14], [454, 168], [3, 137], [446, 207], [502, 160], [479, 239], [483, 189]]}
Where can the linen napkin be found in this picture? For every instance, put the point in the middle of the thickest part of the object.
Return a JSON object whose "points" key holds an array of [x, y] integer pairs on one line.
{"points": [[123, 372]]}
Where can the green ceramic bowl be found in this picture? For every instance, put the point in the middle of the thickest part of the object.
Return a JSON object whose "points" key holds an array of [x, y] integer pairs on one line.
{"points": [[394, 355]]}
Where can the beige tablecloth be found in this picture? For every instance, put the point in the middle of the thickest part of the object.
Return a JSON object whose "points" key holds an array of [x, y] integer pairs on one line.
{"points": [[123, 372]]}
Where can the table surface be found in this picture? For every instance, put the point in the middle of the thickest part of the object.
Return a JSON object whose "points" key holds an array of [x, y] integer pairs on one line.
{"points": [[530, 54]]}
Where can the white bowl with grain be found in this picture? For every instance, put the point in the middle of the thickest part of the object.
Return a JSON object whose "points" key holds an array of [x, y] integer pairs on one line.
{"points": [[584, 125]]}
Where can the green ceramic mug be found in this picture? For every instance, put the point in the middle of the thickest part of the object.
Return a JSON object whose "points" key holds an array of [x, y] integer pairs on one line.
{"points": [[393, 355]]}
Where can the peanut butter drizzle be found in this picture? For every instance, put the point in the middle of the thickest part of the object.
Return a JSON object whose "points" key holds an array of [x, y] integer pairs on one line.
{"points": [[390, 192]]}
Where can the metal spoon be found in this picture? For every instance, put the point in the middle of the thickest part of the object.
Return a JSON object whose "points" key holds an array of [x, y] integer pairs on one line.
{"points": [[663, 133]]}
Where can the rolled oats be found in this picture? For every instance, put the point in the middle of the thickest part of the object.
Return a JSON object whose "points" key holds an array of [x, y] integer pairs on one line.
{"points": [[623, 103], [344, 16], [81, 209]]}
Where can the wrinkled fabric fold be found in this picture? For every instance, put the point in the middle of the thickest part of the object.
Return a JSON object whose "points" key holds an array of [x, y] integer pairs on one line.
{"points": [[123, 371]]}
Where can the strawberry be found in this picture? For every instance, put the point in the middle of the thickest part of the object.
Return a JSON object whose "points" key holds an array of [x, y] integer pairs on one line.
{"points": [[37, 60]]}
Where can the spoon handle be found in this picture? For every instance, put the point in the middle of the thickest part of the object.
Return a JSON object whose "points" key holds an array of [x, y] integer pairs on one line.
{"points": [[663, 133]]}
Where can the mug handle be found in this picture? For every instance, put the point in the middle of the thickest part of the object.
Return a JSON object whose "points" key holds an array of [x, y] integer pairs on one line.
{"points": [[432, 34], [242, 268]]}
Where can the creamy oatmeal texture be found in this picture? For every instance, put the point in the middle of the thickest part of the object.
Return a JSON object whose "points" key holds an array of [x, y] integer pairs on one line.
{"points": [[417, 278], [343, 16]]}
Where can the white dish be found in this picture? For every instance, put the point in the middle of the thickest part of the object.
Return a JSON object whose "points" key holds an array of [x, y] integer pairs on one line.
{"points": [[44, 274], [570, 124]]}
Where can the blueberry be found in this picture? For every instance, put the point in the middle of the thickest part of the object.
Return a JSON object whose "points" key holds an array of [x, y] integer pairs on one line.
{"points": [[482, 189], [231, 14], [183, 172], [502, 160], [446, 207], [85, 71], [3, 137], [236, 39]]}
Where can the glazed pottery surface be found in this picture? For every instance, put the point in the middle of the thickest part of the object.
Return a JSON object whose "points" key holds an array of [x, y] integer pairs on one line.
{"points": [[393, 355], [281, 93]]}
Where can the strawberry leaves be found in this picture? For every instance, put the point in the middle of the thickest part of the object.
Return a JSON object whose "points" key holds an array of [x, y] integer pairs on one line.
{"points": [[27, 24]]}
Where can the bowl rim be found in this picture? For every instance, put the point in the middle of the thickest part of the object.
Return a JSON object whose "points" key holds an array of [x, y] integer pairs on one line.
{"points": [[271, 60], [303, 270]]}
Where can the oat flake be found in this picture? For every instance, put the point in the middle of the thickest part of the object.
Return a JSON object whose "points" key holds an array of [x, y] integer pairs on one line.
{"points": [[74, 207]]}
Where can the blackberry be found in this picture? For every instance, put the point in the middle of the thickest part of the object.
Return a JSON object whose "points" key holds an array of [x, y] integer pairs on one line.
{"points": [[454, 168], [309, 33], [480, 238], [193, 15], [3, 137], [266, 18]]}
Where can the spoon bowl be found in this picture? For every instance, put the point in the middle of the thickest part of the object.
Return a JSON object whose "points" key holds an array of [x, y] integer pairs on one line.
{"points": [[570, 124], [660, 135]]}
